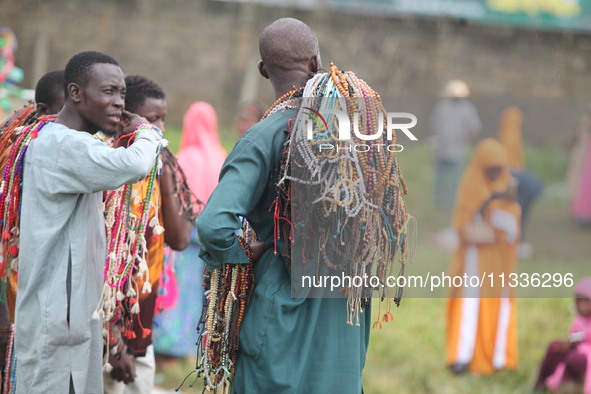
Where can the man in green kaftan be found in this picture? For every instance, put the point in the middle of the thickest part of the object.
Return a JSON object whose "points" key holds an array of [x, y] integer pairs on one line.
{"points": [[287, 345]]}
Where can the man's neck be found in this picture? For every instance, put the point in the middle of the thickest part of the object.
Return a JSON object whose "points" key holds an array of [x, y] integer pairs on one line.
{"points": [[282, 87], [72, 119]]}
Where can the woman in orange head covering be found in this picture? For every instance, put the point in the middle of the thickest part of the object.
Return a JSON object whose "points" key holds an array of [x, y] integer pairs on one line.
{"points": [[481, 335], [529, 187], [510, 136]]}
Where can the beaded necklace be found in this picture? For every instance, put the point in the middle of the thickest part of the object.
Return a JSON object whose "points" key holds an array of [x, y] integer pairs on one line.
{"points": [[125, 262], [126, 254], [11, 187], [287, 100], [15, 135], [343, 206], [22, 117], [228, 289], [9, 383]]}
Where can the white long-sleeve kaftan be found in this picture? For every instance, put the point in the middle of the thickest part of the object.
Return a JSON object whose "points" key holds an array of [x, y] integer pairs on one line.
{"points": [[62, 254]]}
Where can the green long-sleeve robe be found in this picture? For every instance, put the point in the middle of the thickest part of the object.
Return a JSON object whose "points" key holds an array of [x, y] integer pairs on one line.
{"points": [[287, 345]]}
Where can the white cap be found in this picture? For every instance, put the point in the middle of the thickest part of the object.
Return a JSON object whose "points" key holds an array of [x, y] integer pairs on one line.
{"points": [[456, 89]]}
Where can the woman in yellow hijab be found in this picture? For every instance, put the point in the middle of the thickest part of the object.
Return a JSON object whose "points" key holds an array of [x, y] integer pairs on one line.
{"points": [[481, 335], [529, 187]]}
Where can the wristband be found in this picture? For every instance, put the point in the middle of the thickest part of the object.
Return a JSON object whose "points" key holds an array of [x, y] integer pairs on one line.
{"points": [[144, 126]]}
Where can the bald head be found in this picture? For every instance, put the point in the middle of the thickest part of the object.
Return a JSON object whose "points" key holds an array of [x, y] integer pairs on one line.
{"points": [[288, 48]]}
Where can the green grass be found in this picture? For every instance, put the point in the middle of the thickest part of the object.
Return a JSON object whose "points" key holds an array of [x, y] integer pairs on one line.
{"points": [[173, 135], [407, 355]]}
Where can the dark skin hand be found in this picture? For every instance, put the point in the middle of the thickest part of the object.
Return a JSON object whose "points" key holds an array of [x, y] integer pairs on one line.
{"points": [[129, 121], [258, 249], [122, 363], [177, 228]]}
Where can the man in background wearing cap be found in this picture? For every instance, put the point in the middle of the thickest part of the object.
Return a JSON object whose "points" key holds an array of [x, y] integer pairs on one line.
{"points": [[454, 122]]}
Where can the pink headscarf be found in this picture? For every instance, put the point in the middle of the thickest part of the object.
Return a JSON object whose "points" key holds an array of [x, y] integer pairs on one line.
{"points": [[201, 154], [583, 287]]}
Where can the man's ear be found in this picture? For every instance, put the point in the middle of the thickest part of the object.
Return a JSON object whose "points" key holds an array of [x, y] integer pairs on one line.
{"points": [[314, 64], [263, 69], [75, 92], [41, 109]]}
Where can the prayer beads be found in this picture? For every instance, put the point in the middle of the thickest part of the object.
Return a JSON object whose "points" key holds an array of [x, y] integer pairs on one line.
{"points": [[219, 327], [353, 196], [125, 262], [11, 188]]}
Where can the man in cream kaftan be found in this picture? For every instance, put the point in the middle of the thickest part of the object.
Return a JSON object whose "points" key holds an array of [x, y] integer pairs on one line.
{"points": [[62, 254]]}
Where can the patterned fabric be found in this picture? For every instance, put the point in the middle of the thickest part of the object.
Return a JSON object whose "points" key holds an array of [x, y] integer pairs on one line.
{"points": [[174, 332], [155, 260]]}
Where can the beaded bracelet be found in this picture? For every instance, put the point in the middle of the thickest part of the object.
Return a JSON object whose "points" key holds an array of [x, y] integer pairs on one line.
{"points": [[247, 249], [143, 126]]}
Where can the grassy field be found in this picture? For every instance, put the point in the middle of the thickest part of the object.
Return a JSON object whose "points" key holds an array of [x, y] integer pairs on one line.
{"points": [[407, 355]]}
